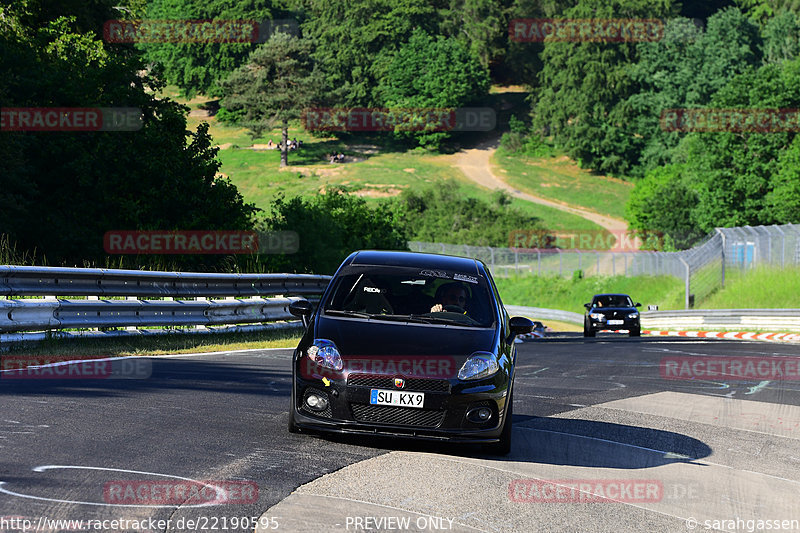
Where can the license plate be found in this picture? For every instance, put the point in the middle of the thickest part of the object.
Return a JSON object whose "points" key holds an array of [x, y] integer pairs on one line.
{"points": [[396, 398], [615, 322]]}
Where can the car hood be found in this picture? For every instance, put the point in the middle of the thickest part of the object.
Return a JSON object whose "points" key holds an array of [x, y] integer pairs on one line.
{"points": [[611, 310], [403, 348], [374, 337]]}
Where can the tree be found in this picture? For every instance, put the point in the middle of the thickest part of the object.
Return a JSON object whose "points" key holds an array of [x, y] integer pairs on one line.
{"points": [[199, 67], [430, 72], [583, 87], [330, 226], [70, 188], [734, 172], [685, 69], [784, 199], [349, 36], [782, 37], [275, 85], [661, 209], [481, 25]]}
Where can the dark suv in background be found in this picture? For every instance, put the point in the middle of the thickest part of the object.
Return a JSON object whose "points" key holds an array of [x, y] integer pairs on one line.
{"points": [[611, 312]]}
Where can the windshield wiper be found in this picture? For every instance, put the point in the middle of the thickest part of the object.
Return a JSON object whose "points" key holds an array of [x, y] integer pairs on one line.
{"points": [[442, 320], [339, 312]]}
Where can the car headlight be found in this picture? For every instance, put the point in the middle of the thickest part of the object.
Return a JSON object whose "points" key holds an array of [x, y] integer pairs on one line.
{"points": [[633, 315], [479, 365], [597, 316], [324, 353]]}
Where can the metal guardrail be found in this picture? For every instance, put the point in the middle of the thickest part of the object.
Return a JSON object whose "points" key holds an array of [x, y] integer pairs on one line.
{"points": [[56, 281], [541, 313], [778, 320], [98, 311], [738, 319]]}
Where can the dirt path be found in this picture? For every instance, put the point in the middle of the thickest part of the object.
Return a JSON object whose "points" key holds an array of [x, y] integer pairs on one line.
{"points": [[476, 165]]}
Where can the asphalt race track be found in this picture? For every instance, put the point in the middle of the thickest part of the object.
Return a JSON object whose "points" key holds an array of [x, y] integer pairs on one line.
{"points": [[592, 418]]}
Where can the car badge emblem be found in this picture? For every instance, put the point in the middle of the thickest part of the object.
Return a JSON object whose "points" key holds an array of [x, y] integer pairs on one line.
{"points": [[399, 383]]}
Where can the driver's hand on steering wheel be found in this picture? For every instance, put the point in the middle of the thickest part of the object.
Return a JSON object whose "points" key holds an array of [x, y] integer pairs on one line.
{"points": [[438, 308]]}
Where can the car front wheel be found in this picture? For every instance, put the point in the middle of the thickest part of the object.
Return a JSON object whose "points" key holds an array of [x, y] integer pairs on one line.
{"points": [[587, 331]]}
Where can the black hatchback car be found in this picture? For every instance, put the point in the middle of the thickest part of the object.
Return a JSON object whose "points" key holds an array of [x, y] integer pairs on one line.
{"points": [[611, 312], [411, 345]]}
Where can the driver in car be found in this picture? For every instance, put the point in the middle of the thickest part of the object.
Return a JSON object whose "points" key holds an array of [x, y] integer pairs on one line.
{"points": [[450, 294]]}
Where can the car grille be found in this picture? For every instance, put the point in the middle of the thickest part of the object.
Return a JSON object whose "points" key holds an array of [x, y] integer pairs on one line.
{"points": [[386, 382], [401, 416]]}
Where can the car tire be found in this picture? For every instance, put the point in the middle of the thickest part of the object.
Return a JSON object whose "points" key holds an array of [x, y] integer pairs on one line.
{"points": [[292, 426], [504, 446], [588, 332], [635, 332]]}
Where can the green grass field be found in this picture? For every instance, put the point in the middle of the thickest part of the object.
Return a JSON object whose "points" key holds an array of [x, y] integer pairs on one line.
{"points": [[553, 292], [762, 288], [560, 179]]}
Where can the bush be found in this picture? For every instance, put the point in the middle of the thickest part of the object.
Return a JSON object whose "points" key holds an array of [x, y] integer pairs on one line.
{"points": [[330, 226], [445, 214]]}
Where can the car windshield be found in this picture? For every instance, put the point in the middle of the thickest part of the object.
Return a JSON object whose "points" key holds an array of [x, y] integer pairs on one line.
{"points": [[407, 295], [613, 300]]}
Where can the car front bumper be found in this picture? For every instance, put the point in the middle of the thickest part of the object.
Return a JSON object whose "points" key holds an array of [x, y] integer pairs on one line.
{"points": [[443, 417], [627, 324]]}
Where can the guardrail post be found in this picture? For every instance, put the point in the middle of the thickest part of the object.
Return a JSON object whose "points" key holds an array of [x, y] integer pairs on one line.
{"points": [[783, 243], [722, 255], [686, 295]]}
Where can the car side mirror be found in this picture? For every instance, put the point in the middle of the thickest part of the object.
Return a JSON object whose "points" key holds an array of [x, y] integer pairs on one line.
{"points": [[637, 304], [587, 306], [519, 325], [301, 309]]}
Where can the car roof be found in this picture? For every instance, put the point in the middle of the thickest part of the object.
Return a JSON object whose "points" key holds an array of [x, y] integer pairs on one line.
{"points": [[610, 294], [414, 259]]}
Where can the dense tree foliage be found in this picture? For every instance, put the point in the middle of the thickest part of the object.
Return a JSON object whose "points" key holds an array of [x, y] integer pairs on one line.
{"points": [[330, 226], [684, 70], [199, 67], [584, 85], [61, 191], [430, 72], [349, 36], [731, 178]]}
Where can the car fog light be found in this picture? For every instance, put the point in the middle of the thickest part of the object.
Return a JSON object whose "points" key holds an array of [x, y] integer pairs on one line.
{"points": [[480, 414], [316, 402]]}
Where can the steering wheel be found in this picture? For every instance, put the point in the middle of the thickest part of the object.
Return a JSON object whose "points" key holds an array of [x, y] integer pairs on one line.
{"points": [[454, 309]]}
